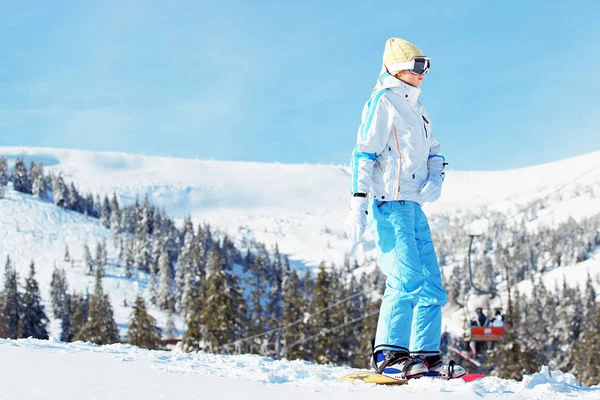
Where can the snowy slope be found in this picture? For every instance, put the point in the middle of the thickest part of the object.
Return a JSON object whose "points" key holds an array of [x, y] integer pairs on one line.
{"points": [[302, 207], [34, 230], [32, 369]]}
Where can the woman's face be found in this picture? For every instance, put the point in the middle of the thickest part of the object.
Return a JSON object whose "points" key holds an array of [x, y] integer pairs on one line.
{"points": [[411, 79]]}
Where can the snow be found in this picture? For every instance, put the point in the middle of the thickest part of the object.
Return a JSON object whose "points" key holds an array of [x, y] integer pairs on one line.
{"points": [[575, 275], [31, 229], [301, 207], [36, 369]]}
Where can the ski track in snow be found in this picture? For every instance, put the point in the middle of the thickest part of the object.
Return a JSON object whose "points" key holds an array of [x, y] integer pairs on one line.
{"points": [[36, 369]]}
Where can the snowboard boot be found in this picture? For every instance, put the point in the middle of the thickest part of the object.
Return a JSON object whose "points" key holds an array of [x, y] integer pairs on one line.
{"points": [[437, 368], [397, 364]]}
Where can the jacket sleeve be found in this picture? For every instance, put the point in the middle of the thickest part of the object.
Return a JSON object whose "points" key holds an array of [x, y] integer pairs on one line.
{"points": [[436, 162], [372, 137]]}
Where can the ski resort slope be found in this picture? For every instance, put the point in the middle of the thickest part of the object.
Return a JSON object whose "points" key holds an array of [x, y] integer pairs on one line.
{"points": [[34, 230], [302, 207], [33, 369]]}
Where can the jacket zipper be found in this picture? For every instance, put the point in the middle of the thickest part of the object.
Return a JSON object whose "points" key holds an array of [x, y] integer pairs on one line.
{"points": [[399, 164]]}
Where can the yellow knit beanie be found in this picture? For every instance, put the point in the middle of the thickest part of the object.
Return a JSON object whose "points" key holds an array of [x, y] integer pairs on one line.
{"points": [[399, 51]]}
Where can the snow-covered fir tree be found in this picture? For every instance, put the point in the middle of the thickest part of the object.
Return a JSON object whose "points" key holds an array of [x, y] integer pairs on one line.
{"points": [[3, 171], [293, 312], [66, 324], [88, 262], [141, 255], [105, 213], [20, 177], [79, 308], [39, 185], [2, 193], [143, 331], [101, 260], [170, 330], [165, 293], [74, 200], [12, 301], [60, 192], [67, 256], [100, 327], [220, 316], [59, 292], [3, 321], [34, 318]]}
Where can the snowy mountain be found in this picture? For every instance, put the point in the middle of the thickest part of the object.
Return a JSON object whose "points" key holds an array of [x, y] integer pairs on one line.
{"points": [[299, 207], [72, 371], [302, 207]]}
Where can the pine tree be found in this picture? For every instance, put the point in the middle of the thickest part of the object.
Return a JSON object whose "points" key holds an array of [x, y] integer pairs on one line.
{"points": [[170, 331], [584, 353], [74, 199], [88, 263], [221, 317], [143, 331], [141, 255], [1, 192], [3, 321], [13, 303], [60, 192], [274, 309], [165, 293], [590, 320], [128, 256], [67, 256], [105, 213], [152, 289], [115, 221], [20, 177], [58, 292], [34, 318], [322, 298], [100, 327], [38, 180], [293, 311], [66, 324], [3, 171], [101, 260], [80, 308]]}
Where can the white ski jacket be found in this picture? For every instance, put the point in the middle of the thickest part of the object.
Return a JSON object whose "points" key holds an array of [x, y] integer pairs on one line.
{"points": [[396, 151]]}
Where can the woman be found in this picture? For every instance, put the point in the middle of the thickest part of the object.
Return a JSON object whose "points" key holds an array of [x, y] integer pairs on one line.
{"points": [[397, 163]]}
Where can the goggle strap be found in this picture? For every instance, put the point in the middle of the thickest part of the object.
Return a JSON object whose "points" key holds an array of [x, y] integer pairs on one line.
{"points": [[401, 66]]}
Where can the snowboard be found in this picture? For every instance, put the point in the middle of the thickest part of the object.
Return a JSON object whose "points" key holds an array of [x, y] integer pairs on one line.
{"points": [[372, 377]]}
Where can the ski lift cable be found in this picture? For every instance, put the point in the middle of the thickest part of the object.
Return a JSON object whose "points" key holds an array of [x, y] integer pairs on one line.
{"points": [[523, 209], [270, 331], [487, 292], [323, 331]]}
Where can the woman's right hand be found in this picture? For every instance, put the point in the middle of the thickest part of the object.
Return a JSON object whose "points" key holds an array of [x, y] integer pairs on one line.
{"points": [[356, 221]]}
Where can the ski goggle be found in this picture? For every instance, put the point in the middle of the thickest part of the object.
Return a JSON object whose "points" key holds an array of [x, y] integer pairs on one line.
{"points": [[417, 66]]}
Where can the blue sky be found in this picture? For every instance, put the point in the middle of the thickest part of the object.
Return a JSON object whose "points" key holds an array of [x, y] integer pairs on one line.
{"points": [[512, 83]]}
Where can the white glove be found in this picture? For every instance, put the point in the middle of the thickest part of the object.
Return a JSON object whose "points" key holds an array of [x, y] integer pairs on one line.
{"points": [[356, 221], [431, 190]]}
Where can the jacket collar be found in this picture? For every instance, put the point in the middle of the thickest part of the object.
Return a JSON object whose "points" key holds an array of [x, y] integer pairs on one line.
{"points": [[409, 92]]}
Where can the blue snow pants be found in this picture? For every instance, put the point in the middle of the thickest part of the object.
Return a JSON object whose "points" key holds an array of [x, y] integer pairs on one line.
{"points": [[410, 317]]}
